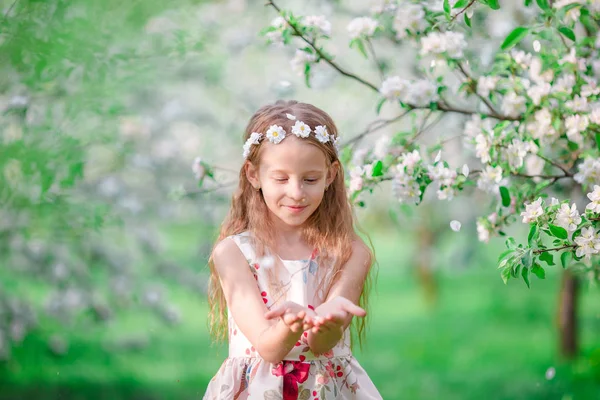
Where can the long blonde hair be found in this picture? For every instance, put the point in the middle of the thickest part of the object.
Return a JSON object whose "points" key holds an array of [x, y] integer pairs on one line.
{"points": [[330, 229]]}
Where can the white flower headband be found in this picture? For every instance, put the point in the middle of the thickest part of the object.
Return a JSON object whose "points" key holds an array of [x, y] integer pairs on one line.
{"points": [[275, 134]]}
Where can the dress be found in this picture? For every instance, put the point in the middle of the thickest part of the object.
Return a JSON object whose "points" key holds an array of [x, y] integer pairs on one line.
{"points": [[302, 374]]}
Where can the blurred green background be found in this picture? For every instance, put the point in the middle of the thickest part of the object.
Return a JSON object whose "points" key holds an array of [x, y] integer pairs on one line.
{"points": [[104, 235]]}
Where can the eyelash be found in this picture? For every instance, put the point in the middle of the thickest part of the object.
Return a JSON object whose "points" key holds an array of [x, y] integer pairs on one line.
{"points": [[307, 180]]}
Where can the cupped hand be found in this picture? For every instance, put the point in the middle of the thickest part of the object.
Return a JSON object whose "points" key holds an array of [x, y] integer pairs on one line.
{"points": [[297, 317], [333, 314]]}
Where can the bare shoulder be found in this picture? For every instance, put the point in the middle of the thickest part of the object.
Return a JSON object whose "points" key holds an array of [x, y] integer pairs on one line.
{"points": [[227, 254], [360, 250]]}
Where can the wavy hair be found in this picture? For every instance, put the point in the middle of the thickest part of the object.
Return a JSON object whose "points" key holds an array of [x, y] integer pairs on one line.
{"points": [[330, 229]]}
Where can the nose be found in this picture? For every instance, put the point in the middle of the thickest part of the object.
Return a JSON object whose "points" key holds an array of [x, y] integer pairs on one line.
{"points": [[296, 190]]}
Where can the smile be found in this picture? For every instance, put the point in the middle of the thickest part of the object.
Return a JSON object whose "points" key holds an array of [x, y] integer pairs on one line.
{"points": [[296, 209]]}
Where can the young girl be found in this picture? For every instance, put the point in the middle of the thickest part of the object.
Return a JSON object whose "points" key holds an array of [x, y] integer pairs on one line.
{"points": [[288, 267]]}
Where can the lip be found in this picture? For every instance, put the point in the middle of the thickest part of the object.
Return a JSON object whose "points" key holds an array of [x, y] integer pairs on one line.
{"points": [[296, 209]]}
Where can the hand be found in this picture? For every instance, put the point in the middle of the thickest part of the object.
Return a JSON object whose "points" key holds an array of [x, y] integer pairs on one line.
{"points": [[332, 315], [298, 318]]}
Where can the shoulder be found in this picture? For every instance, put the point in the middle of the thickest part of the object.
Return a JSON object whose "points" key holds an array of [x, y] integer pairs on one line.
{"points": [[227, 253], [361, 252]]}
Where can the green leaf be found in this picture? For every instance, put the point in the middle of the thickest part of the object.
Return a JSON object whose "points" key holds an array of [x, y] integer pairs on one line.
{"points": [[558, 232], [504, 254], [514, 37], [547, 258], [510, 243], [505, 274], [447, 7], [539, 271], [527, 258], [377, 169], [505, 196], [525, 275], [598, 140], [460, 4], [568, 32], [307, 74], [360, 46], [533, 234], [494, 5], [564, 258], [543, 4], [379, 105], [467, 20]]}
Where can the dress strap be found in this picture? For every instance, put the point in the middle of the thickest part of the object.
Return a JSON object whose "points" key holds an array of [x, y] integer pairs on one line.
{"points": [[244, 243]]}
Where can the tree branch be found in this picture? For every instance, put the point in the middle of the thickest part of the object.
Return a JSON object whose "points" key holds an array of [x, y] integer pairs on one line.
{"points": [[374, 55], [462, 11], [382, 123], [567, 246]]}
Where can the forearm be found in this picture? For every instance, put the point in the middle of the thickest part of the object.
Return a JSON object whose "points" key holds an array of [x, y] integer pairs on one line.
{"points": [[276, 342]]}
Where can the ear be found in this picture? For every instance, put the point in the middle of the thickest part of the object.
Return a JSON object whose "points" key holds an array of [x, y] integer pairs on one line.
{"points": [[332, 172], [252, 174]]}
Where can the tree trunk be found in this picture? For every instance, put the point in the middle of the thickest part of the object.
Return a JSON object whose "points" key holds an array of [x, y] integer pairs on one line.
{"points": [[567, 315], [424, 272]]}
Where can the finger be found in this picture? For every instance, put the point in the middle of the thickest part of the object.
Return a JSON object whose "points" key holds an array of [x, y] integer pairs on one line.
{"points": [[354, 309], [301, 314], [275, 312]]}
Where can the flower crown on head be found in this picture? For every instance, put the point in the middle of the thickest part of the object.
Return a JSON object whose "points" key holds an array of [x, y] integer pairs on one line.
{"points": [[275, 134]]}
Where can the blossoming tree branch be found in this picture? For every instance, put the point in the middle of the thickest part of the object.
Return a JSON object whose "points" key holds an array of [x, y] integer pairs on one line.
{"points": [[533, 124]]}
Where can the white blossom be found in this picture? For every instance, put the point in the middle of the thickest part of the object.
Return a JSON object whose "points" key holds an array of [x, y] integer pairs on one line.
{"points": [[490, 179], [564, 83], [421, 93], [595, 115], [356, 180], [516, 152], [319, 22], [536, 74], [455, 225], [576, 124], [587, 243], [483, 145], [275, 134], [321, 134], [301, 58], [300, 129], [476, 126], [410, 17], [588, 172], [198, 168], [451, 43], [483, 233], [541, 128], [405, 188], [394, 88], [522, 58], [513, 105], [382, 146], [579, 104], [485, 84], [532, 211], [594, 196], [362, 27], [537, 92], [409, 161], [568, 218]]}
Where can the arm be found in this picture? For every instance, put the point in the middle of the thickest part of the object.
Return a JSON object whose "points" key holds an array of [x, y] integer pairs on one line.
{"points": [[271, 339], [340, 306]]}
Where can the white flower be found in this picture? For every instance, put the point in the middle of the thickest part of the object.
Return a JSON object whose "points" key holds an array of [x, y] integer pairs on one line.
{"points": [[485, 84], [513, 105], [439, 172], [275, 134], [336, 144], [564, 84], [198, 168], [570, 58], [490, 179], [362, 27], [301, 58], [455, 225], [446, 193], [483, 233], [576, 124], [590, 89], [517, 150], [421, 93], [587, 243], [568, 218], [356, 179], [409, 18], [465, 170], [409, 161], [319, 22], [253, 139], [382, 146], [321, 134], [394, 88], [536, 74], [290, 116], [405, 188], [534, 165], [578, 103], [476, 126], [594, 196], [522, 58], [537, 92], [542, 127], [588, 172], [532, 211], [300, 129], [451, 43], [595, 115], [483, 146]]}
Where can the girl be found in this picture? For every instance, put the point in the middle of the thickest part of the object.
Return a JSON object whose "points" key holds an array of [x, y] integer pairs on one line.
{"points": [[289, 268]]}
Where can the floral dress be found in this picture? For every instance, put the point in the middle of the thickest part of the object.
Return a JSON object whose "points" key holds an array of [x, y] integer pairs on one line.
{"points": [[302, 374]]}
